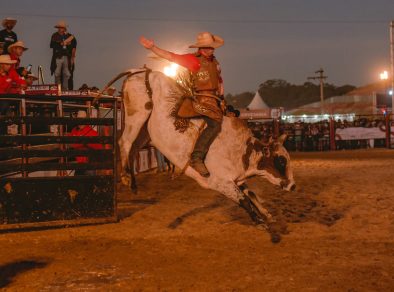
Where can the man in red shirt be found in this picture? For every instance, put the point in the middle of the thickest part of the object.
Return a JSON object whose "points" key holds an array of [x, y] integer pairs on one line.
{"points": [[208, 90], [86, 131], [9, 78]]}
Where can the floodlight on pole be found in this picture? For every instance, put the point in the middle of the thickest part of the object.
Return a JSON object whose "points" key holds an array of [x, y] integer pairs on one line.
{"points": [[384, 75]]}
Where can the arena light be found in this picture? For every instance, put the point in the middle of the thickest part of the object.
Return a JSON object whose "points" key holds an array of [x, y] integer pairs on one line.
{"points": [[390, 92], [384, 75], [171, 70]]}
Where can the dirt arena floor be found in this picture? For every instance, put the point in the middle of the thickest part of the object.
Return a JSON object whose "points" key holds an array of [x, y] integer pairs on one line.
{"points": [[337, 233]]}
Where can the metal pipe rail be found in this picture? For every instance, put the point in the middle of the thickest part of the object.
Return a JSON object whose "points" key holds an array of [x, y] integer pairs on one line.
{"points": [[36, 188]]}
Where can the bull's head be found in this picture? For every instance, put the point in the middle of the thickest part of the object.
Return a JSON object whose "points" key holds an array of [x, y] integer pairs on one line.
{"points": [[274, 163]]}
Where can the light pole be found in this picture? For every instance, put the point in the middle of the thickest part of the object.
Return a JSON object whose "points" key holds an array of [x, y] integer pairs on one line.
{"points": [[384, 77], [392, 64], [321, 79]]}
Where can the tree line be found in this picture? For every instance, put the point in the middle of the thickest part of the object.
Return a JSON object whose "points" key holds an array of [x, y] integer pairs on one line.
{"points": [[280, 93]]}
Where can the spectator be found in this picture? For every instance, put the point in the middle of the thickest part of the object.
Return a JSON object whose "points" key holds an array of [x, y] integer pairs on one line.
{"points": [[16, 51], [30, 79], [64, 47], [7, 35], [10, 81], [9, 77], [87, 131], [111, 91]]}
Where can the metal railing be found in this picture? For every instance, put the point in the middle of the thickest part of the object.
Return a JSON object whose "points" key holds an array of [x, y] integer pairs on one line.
{"points": [[38, 181]]}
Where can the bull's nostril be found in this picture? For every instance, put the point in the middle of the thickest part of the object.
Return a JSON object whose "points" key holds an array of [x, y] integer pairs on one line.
{"points": [[293, 187]]}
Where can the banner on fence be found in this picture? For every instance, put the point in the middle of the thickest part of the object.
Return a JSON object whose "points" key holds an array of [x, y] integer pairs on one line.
{"points": [[359, 133]]}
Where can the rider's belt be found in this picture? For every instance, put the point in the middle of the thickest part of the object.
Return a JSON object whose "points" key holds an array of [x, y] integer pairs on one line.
{"points": [[209, 93]]}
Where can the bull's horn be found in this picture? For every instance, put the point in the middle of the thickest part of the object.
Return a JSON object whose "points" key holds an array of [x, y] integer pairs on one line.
{"points": [[282, 138]]}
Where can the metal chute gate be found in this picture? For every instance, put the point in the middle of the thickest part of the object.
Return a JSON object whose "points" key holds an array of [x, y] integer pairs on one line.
{"points": [[38, 187]]}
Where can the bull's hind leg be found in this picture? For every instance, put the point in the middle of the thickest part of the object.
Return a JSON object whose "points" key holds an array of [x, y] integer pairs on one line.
{"points": [[133, 125]]}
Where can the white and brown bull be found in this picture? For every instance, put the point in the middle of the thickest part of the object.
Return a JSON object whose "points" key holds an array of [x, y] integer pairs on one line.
{"points": [[233, 157]]}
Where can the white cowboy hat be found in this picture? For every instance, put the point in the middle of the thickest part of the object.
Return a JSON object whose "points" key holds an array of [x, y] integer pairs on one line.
{"points": [[81, 114], [6, 59], [17, 44], [8, 19], [61, 24], [207, 40]]}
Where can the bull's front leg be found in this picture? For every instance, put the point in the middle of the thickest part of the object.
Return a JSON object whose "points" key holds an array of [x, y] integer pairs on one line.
{"points": [[267, 221], [246, 199], [256, 203]]}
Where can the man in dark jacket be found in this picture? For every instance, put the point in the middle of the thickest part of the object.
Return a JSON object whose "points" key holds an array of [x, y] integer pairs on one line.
{"points": [[7, 36], [64, 47]]}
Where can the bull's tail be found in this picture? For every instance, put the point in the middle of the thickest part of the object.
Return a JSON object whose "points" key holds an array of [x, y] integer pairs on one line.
{"points": [[119, 76], [113, 80]]}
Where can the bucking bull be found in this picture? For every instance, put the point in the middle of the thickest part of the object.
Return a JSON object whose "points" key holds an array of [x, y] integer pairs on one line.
{"points": [[235, 155]]}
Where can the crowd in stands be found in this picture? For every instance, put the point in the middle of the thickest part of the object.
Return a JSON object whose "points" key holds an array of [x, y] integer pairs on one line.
{"points": [[14, 78], [303, 136]]}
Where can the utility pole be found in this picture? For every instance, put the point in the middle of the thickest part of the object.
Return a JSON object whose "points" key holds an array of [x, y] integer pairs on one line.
{"points": [[321, 79], [392, 64]]}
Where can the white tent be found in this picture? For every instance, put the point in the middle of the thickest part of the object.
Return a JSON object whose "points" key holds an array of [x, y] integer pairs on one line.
{"points": [[257, 103]]}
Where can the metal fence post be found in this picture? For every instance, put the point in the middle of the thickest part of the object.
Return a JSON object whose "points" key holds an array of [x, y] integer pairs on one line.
{"points": [[61, 132], [23, 133], [388, 131], [332, 134]]}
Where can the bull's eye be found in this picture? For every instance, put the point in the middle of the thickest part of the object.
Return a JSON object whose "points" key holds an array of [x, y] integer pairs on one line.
{"points": [[280, 163]]}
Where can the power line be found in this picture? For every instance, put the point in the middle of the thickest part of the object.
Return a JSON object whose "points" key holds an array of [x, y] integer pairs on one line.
{"points": [[238, 21]]}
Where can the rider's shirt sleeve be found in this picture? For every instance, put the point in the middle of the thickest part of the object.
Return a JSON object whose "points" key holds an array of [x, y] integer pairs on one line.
{"points": [[188, 61]]}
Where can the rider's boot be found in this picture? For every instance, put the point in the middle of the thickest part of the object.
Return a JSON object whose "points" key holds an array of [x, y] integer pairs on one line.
{"points": [[198, 164], [202, 145]]}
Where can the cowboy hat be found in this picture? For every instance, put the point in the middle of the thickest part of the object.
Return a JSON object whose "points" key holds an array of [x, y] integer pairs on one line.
{"points": [[8, 19], [61, 24], [17, 44], [6, 59], [207, 40]]}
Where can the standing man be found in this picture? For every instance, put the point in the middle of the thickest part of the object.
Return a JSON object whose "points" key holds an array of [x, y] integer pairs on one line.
{"points": [[7, 36], [64, 47], [208, 90]]}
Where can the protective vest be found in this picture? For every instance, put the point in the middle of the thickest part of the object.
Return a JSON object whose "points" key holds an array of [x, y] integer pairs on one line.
{"points": [[207, 78]]}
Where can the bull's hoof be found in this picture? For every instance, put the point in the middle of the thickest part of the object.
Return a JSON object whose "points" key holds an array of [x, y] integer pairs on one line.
{"points": [[125, 180], [275, 238]]}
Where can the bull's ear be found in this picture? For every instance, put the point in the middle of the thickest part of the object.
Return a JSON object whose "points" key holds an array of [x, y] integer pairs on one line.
{"points": [[282, 138], [271, 140]]}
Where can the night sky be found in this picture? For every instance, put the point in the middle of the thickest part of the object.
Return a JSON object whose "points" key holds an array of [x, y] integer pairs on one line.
{"points": [[263, 39]]}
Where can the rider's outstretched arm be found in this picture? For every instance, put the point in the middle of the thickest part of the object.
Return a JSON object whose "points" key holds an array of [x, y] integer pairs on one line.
{"points": [[150, 45]]}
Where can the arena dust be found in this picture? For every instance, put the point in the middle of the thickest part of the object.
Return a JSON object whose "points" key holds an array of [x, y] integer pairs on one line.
{"points": [[336, 228]]}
